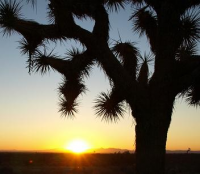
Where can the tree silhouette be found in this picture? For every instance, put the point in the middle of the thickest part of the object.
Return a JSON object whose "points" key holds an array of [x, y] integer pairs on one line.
{"points": [[172, 29]]}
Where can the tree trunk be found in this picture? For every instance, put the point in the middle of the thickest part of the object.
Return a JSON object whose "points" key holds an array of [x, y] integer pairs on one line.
{"points": [[151, 137]]}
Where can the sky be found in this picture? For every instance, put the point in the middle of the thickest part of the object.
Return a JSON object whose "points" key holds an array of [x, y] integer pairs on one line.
{"points": [[29, 117]]}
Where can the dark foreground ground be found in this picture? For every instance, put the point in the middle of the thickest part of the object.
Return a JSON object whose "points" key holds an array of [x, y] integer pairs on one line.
{"points": [[62, 163]]}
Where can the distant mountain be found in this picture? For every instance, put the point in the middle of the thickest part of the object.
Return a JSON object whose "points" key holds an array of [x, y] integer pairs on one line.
{"points": [[98, 150], [109, 150], [56, 150]]}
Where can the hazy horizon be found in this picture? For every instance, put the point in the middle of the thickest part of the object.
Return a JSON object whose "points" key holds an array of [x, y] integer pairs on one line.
{"points": [[92, 150]]}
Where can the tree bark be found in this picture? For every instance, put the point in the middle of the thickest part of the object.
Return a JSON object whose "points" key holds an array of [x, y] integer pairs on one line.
{"points": [[150, 150], [151, 136]]}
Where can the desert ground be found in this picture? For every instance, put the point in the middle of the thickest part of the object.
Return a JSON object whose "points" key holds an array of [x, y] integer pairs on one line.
{"points": [[64, 163]]}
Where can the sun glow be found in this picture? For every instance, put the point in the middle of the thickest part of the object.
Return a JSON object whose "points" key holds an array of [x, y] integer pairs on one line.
{"points": [[77, 146]]}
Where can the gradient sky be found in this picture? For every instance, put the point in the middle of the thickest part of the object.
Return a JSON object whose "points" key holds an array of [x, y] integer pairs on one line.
{"points": [[29, 118]]}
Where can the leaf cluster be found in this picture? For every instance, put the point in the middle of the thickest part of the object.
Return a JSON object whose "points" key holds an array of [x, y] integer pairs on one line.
{"points": [[9, 13]]}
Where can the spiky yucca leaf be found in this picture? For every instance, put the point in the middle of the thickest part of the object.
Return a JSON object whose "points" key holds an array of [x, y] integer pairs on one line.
{"points": [[68, 109], [140, 2], [193, 94], [30, 49], [24, 46], [77, 57], [69, 90], [41, 63], [107, 108], [128, 54], [27, 47], [143, 75], [122, 50], [186, 51], [33, 2], [51, 14], [145, 22], [71, 53], [115, 4], [190, 27], [9, 13]]}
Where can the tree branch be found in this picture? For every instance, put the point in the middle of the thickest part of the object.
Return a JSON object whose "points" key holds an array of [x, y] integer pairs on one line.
{"points": [[186, 77], [78, 66], [31, 28], [101, 27], [122, 80]]}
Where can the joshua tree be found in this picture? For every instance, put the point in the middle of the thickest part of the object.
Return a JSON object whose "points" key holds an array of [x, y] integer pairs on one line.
{"points": [[172, 29]]}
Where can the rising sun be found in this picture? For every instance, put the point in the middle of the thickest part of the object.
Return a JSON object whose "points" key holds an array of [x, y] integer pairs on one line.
{"points": [[77, 146]]}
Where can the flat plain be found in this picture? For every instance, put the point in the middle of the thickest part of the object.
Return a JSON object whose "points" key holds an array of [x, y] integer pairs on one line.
{"points": [[65, 163]]}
